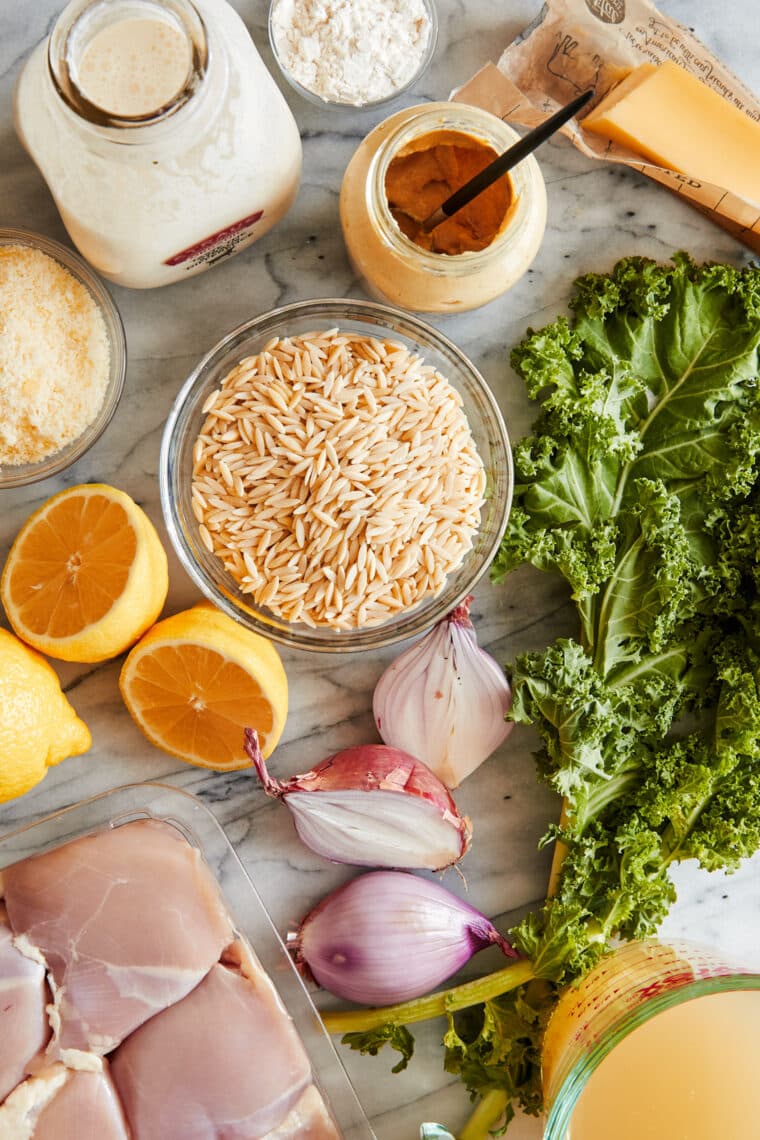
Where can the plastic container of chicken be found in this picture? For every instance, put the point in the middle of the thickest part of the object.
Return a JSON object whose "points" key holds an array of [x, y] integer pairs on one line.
{"points": [[150, 1011]]}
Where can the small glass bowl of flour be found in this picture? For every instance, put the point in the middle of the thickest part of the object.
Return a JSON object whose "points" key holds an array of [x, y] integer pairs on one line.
{"points": [[352, 53]]}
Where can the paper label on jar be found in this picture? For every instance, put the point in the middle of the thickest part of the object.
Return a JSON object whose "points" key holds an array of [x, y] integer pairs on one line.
{"points": [[218, 245]]}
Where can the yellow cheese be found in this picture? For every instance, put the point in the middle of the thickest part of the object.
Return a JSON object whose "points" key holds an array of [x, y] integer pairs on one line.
{"points": [[669, 116]]}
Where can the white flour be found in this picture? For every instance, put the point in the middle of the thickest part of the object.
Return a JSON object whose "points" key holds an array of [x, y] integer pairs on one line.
{"points": [[351, 51]]}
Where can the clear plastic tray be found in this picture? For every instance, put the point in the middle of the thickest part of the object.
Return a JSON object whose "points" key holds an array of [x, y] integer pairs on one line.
{"points": [[199, 826]]}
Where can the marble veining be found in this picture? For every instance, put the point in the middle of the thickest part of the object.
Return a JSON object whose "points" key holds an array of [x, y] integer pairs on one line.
{"points": [[596, 214]]}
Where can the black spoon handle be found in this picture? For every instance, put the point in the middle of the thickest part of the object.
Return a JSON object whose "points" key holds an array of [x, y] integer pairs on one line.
{"points": [[465, 194]]}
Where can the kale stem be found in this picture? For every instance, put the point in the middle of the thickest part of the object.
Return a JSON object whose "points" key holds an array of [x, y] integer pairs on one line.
{"points": [[489, 1112], [599, 797], [433, 1005], [558, 856], [586, 613]]}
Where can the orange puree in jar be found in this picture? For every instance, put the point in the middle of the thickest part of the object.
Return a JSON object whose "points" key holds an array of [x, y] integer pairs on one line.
{"points": [[405, 169], [428, 171]]}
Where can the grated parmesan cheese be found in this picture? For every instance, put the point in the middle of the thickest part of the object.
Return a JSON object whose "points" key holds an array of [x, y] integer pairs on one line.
{"points": [[351, 51], [54, 356]]}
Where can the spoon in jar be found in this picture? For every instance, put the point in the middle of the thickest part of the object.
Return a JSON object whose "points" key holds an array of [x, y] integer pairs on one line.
{"points": [[506, 161]]}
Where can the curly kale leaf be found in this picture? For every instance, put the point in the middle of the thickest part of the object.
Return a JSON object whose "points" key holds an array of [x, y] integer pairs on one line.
{"points": [[597, 733], [637, 487], [371, 1041], [649, 425], [640, 487], [497, 1045], [695, 795]]}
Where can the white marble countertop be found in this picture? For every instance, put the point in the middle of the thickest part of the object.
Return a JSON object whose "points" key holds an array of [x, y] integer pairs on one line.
{"points": [[597, 213]]}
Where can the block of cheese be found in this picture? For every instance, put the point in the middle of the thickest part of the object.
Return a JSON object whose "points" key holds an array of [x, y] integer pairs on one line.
{"points": [[669, 116]]}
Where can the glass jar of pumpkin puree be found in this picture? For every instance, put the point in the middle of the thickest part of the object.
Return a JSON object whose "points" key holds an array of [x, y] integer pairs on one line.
{"points": [[402, 171]]}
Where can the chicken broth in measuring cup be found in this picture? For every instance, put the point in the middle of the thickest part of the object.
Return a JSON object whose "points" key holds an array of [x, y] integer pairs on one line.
{"points": [[658, 1040]]}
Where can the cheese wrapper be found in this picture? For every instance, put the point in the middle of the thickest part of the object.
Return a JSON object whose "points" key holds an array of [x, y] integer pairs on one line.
{"points": [[577, 44]]}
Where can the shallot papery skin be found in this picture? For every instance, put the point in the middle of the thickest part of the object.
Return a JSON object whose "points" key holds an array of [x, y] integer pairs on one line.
{"points": [[371, 806], [444, 700], [389, 936]]}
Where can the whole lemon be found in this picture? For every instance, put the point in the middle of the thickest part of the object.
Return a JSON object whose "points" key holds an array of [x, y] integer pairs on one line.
{"points": [[38, 726]]}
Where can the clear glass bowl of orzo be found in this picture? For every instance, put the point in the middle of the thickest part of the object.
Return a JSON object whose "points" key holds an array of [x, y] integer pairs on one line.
{"points": [[335, 475]]}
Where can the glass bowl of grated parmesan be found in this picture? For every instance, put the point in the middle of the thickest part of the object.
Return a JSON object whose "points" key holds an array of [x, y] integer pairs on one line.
{"points": [[62, 357], [335, 475], [352, 53]]}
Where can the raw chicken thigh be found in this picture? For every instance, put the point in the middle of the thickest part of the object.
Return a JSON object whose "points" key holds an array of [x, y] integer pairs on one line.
{"points": [[144, 965], [24, 1028], [64, 1105], [86, 1108], [129, 920], [223, 1064], [309, 1120]]}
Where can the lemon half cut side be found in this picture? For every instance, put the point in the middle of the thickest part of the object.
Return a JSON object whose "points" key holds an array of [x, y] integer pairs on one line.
{"points": [[196, 680], [86, 575]]}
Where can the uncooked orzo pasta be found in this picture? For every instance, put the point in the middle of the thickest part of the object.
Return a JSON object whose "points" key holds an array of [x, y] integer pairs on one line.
{"points": [[336, 478]]}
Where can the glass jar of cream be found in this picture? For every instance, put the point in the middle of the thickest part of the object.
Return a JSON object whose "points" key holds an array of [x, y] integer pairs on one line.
{"points": [[401, 172], [162, 136]]}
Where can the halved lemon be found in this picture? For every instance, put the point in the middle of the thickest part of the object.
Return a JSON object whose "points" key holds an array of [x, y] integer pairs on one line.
{"points": [[197, 679], [86, 575]]}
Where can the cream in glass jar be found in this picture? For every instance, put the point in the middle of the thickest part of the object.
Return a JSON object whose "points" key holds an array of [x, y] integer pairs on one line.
{"points": [[164, 140], [383, 246]]}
